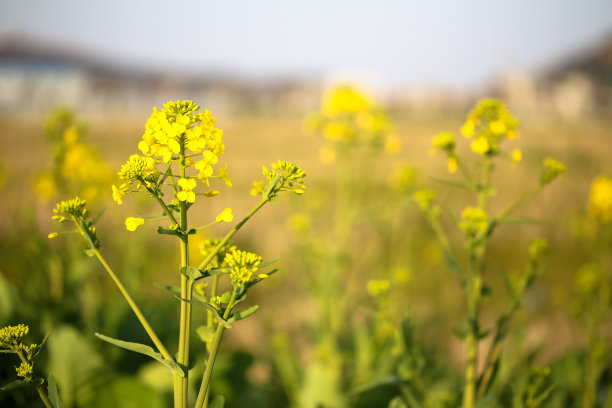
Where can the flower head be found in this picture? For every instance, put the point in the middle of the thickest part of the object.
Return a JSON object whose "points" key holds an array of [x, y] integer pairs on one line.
{"points": [[12, 336], [552, 170], [489, 123], [137, 168], [242, 266], [474, 222], [283, 176], [600, 199]]}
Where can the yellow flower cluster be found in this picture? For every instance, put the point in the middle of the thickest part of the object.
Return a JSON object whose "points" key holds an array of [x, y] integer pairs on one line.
{"points": [[600, 199], [552, 169], [74, 207], [12, 336], [474, 222], [378, 288], [348, 116], [178, 129], [25, 371], [76, 166], [488, 124], [424, 199], [283, 176], [242, 264]]}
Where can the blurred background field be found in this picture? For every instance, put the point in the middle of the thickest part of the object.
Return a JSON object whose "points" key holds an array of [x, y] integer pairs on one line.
{"points": [[563, 102]]}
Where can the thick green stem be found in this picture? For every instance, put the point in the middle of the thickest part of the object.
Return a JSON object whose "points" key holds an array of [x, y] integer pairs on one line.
{"points": [[202, 400], [181, 383]]}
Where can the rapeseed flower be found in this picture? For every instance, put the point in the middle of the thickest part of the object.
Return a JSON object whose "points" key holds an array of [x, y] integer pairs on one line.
{"points": [[552, 169], [225, 216], [600, 199], [489, 123], [242, 265], [132, 223], [474, 221], [186, 193]]}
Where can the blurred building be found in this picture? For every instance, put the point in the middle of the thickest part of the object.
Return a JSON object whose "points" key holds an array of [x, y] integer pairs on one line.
{"points": [[35, 77]]}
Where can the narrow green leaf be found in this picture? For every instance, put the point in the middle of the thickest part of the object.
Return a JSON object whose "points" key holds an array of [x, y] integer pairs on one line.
{"points": [[267, 263], [41, 345], [52, 392], [209, 307], [243, 314], [256, 281], [169, 288], [96, 218], [206, 333], [450, 262], [15, 384], [146, 350]]}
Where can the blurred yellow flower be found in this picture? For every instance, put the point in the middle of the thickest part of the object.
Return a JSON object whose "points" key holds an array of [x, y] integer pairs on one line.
{"points": [[378, 287], [600, 199], [517, 156], [345, 100], [468, 128], [497, 127], [452, 165], [327, 154], [480, 145], [225, 216], [132, 223], [393, 143]]}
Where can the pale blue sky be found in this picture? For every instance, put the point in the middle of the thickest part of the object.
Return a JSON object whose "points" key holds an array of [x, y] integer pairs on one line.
{"points": [[393, 43]]}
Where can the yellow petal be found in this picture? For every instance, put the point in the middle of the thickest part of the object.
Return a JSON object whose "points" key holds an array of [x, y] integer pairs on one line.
{"points": [[225, 216]]}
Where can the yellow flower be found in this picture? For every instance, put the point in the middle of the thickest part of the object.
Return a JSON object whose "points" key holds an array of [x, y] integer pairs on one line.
{"points": [[225, 216], [186, 193], [444, 141], [600, 199], [452, 165], [474, 221], [498, 127], [224, 175], [258, 187], [480, 145], [344, 100], [132, 223], [393, 143], [52, 235], [516, 156], [71, 134], [378, 287], [327, 154], [337, 131], [119, 193], [468, 128]]}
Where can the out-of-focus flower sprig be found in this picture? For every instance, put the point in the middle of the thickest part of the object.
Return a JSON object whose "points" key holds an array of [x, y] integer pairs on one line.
{"points": [[76, 167], [76, 210], [349, 117], [282, 176], [11, 342]]}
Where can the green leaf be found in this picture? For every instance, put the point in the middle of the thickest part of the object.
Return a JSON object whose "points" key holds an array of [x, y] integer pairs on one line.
{"points": [[209, 307], [169, 288], [41, 345], [97, 217], [191, 272], [53, 394], [146, 350], [206, 333], [242, 315], [452, 265], [256, 281], [89, 252], [217, 402], [15, 384], [168, 231], [267, 263]]}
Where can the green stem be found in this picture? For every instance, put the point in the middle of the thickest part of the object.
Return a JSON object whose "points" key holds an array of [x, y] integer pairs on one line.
{"points": [[163, 205], [38, 386], [202, 400], [230, 234], [143, 320], [518, 202], [181, 383]]}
